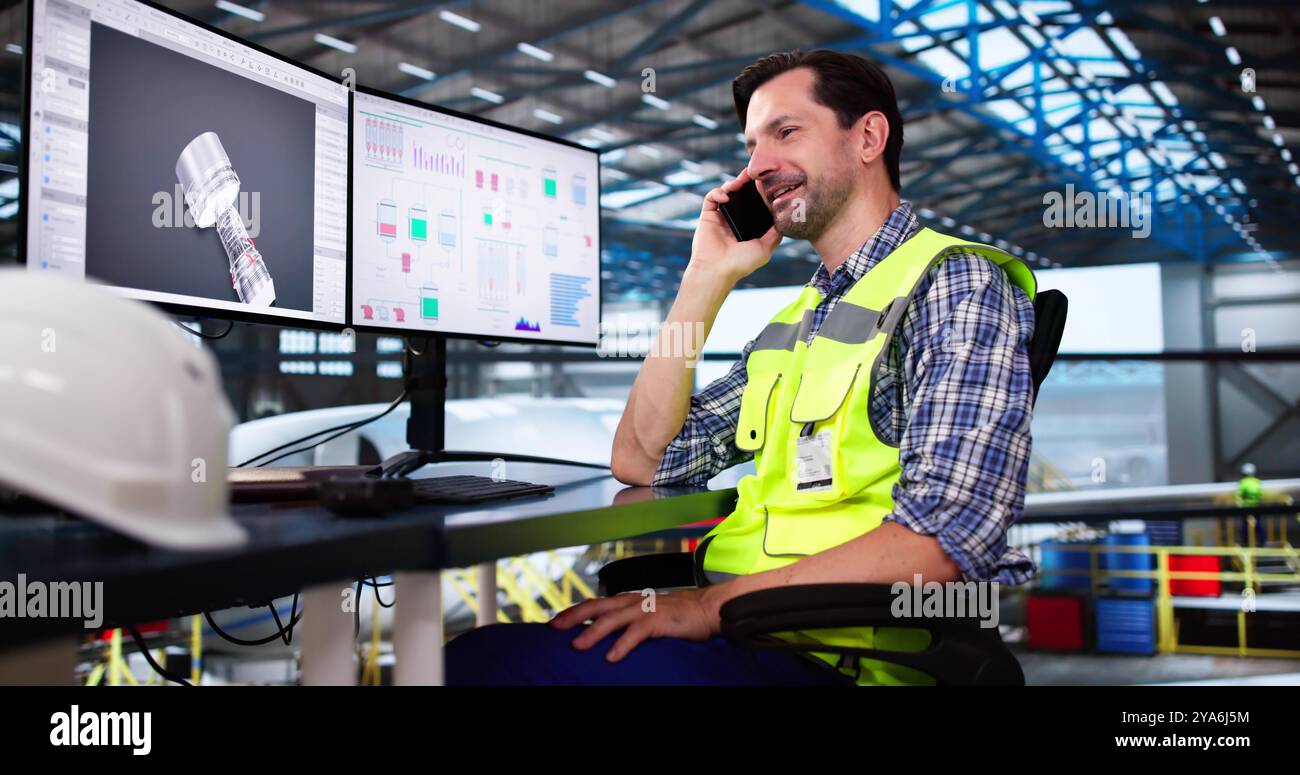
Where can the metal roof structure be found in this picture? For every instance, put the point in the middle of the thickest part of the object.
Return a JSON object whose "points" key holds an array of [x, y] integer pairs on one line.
{"points": [[1187, 109]]}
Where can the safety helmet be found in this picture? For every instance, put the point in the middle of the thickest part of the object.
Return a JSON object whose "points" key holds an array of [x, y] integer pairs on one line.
{"points": [[109, 412], [1248, 469]]}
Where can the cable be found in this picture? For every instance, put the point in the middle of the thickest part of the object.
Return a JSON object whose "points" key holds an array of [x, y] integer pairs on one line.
{"points": [[201, 335], [356, 611], [291, 443], [345, 431], [379, 599], [310, 435], [414, 351], [345, 427], [157, 668], [342, 429], [279, 635], [293, 609]]}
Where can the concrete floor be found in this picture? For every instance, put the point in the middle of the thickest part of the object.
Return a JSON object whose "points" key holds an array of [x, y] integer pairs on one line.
{"points": [[1051, 669]]}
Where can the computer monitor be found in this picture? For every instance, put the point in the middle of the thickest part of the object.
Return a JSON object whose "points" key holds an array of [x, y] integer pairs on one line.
{"points": [[464, 226], [182, 166]]}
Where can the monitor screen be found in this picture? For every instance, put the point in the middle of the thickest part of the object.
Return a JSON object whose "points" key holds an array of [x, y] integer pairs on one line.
{"points": [[464, 226], [182, 166]]}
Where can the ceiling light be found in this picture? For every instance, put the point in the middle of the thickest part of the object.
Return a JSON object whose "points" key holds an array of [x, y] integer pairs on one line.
{"points": [[600, 78], [535, 52], [489, 96], [335, 43], [456, 19], [416, 70]]}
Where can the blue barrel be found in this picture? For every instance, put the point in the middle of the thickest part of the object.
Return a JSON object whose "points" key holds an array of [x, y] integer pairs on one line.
{"points": [[1126, 625], [1128, 561], [1055, 559]]}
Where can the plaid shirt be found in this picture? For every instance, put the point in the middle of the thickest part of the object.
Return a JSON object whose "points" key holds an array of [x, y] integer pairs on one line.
{"points": [[956, 389]]}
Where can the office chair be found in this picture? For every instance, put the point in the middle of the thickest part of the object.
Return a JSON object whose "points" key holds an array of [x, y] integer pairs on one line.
{"points": [[959, 652]]}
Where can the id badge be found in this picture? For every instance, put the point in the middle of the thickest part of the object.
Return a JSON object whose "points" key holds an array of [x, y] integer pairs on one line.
{"points": [[813, 462]]}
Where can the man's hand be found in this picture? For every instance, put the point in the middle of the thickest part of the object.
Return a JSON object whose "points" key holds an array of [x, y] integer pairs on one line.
{"points": [[690, 614], [715, 248]]}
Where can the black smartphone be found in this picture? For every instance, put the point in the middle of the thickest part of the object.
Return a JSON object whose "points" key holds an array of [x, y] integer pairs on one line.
{"points": [[747, 213]]}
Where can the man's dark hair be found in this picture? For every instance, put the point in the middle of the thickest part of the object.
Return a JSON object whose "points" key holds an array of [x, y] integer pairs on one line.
{"points": [[846, 83]]}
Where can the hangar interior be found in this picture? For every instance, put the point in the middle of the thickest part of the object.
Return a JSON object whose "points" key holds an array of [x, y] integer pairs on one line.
{"points": [[1178, 370]]}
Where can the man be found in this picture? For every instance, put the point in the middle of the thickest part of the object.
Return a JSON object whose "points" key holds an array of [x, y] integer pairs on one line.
{"points": [[874, 462]]}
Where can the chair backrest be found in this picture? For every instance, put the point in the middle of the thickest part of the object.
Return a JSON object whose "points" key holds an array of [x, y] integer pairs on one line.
{"points": [[1050, 308]]}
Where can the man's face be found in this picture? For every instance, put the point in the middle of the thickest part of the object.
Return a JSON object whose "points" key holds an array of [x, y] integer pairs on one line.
{"points": [[801, 160]]}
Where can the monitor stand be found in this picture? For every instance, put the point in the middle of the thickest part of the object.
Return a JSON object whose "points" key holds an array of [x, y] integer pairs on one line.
{"points": [[425, 375]]}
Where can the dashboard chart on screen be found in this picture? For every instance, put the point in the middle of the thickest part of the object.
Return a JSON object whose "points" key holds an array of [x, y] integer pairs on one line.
{"points": [[465, 227]]}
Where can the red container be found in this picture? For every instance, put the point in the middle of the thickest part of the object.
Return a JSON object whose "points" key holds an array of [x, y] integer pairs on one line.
{"points": [[1201, 563], [1054, 622], [149, 628]]}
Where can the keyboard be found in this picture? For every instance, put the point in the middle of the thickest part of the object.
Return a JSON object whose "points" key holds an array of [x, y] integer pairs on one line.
{"points": [[473, 489]]}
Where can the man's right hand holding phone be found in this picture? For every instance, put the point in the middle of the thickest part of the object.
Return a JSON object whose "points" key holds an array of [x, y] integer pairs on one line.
{"points": [[715, 249]]}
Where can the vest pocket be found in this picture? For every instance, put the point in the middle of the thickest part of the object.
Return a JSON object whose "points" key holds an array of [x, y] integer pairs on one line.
{"points": [[751, 428], [822, 392], [800, 534]]}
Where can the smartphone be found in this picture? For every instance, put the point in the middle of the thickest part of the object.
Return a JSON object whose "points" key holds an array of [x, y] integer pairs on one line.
{"points": [[747, 213]]}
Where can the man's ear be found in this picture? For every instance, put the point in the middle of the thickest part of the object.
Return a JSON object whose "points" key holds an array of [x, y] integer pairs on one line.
{"points": [[872, 130]]}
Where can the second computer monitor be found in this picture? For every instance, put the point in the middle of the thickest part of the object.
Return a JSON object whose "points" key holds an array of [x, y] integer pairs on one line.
{"points": [[467, 227]]}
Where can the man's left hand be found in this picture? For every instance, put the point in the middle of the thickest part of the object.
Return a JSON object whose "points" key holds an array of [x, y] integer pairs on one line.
{"points": [[689, 614]]}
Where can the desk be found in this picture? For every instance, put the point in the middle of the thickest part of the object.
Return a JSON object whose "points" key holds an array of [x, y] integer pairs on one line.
{"points": [[304, 547]]}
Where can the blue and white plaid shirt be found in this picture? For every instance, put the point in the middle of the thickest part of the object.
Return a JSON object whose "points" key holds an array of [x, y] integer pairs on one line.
{"points": [[961, 407]]}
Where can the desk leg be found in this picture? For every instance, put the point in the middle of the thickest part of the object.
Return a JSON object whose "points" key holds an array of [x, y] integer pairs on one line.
{"points": [[417, 628], [45, 663], [328, 646], [487, 594]]}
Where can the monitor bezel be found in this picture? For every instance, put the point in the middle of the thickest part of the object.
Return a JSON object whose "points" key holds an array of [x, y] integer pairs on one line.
{"points": [[416, 332], [180, 309]]}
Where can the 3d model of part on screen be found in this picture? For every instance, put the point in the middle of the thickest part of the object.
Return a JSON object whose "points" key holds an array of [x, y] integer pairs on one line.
{"points": [[211, 189]]}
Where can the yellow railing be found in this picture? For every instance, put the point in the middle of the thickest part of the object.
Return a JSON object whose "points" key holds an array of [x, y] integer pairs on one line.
{"points": [[527, 587]]}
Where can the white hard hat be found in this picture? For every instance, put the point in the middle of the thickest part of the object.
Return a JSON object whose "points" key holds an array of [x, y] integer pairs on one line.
{"points": [[1248, 469], [111, 413]]}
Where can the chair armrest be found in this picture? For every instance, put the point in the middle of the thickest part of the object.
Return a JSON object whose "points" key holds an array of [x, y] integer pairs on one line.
{"points": [[960, 651]]}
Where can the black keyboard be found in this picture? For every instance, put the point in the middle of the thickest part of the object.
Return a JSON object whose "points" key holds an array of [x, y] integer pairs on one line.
{"points": [[473, 489]]}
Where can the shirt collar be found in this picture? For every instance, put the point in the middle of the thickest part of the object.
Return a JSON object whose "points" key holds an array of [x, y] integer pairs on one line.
{"points": [[901, 224]]}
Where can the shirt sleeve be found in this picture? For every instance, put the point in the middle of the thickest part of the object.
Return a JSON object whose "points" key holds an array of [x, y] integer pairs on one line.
{"points": [[706, 444], [965, 451]]}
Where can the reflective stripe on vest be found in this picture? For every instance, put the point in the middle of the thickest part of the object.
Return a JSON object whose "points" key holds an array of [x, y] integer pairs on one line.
{"points": [[798, 387]]}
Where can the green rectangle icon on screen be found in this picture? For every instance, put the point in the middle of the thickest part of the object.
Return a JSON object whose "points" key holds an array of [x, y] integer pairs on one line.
{"points": [[429, 302]]}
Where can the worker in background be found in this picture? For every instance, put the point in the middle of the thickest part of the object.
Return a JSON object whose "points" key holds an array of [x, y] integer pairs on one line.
{"points": [[887, 405], [1249, 494]]}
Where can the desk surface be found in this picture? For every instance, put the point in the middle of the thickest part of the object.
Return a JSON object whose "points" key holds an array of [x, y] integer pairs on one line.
{"points": [[296, 545]]}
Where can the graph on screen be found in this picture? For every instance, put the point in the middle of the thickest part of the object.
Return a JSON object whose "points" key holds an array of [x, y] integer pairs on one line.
{"points": [[465, 227]]}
